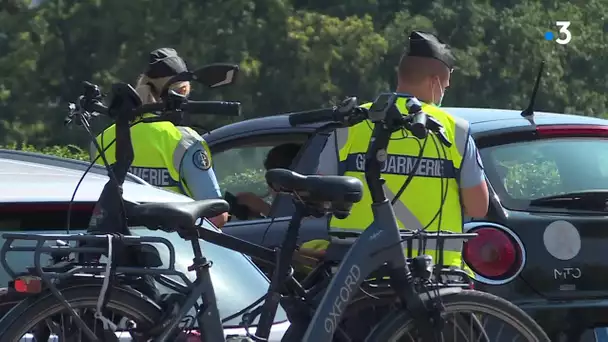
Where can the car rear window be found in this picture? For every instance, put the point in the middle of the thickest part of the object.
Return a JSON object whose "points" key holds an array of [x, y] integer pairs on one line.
{"points": [[527, 170]]}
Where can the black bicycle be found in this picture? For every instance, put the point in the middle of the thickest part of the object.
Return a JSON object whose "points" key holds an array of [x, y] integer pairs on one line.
{"points": [[111, 304]]}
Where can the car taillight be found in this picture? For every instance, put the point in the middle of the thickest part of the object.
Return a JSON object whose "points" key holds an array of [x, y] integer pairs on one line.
{"points": [[493, 253], [572, 130]]}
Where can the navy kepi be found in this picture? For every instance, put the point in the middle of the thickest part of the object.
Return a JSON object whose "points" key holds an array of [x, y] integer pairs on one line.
{"points": [[425, 44]]}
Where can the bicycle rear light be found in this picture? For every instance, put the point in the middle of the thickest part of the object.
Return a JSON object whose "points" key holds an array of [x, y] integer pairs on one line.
{"points": [[28, 284]]}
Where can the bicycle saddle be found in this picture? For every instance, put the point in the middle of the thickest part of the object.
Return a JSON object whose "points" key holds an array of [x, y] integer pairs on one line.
{"points": [[316, 188], [175, 215]]}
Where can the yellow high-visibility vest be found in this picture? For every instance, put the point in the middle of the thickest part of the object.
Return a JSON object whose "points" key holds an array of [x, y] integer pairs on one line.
{"points": [[418, 205], [159, 148]]}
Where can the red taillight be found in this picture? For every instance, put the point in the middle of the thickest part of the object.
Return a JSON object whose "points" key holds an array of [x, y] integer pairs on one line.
{"points": [[28, 284], [572, 130], [492, 253]]}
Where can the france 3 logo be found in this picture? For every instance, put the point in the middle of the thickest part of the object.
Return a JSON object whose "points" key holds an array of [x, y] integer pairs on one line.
{"points": [[563, 36]]}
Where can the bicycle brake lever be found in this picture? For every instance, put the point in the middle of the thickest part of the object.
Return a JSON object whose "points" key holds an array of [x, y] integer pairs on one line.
{"points": [[348, 113], [69, 119], [436, 127], [443, 138], [347, 106]]}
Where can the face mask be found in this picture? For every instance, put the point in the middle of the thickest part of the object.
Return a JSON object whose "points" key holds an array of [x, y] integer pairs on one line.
{"points": [[438, 103]]}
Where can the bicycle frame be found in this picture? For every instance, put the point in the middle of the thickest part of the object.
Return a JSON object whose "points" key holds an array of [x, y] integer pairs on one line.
{"points": [[377, 245]]}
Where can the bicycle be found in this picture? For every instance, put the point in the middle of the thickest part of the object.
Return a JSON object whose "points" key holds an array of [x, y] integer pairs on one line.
{"points": [[315, 195], [387, 119]]}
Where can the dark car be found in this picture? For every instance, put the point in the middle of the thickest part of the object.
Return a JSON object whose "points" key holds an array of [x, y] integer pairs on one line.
{"points": [[541, 251]]}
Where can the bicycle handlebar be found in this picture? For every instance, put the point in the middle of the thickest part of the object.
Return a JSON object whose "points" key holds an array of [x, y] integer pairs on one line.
{"points": [[89, 104], [387, 119], [225, 108], [383, 110]]}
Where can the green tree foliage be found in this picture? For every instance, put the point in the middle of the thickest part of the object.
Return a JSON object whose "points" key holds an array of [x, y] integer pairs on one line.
{"points": [[294, 54]]}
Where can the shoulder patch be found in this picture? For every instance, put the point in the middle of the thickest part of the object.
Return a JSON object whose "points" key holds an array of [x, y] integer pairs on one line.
{"points": [[201, 160]]}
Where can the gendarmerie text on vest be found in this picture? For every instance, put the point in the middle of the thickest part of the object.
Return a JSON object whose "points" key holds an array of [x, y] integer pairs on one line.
{"points": [[403, 165], [154, 175]]}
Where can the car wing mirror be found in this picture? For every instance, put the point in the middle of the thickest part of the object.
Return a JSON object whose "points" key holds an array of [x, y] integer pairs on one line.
{"points": [[215, 75]]}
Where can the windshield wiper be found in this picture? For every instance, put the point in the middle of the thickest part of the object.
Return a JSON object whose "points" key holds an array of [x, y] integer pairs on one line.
{"points": [[582, 199]]}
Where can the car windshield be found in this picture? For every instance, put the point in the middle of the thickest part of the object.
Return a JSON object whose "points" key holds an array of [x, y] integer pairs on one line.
{"points": [[524, 171]]}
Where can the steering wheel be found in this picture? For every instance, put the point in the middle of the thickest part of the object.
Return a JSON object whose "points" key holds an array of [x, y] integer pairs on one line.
{"points": [[240, 211]]}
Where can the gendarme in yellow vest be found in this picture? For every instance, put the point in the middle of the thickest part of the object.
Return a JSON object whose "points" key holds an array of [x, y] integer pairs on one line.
{"points": [[417, 207], [159, 148]]}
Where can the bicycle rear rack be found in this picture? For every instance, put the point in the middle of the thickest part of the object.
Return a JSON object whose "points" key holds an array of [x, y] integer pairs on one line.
{"points": [[341, 242], [96, 244], [346, 238]]}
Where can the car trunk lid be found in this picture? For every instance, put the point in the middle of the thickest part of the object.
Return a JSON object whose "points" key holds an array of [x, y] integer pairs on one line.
{"points": [[552, 184]]}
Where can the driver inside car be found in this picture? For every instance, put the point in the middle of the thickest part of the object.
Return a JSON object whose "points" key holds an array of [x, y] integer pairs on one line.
{"points": [[279, 157], [170, 157]]}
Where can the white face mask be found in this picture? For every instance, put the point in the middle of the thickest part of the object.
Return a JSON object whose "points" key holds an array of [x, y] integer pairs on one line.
{"points": [[438, 103]]}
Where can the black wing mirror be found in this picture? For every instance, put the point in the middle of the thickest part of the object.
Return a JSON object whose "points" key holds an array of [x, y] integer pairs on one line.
{"points": [[215, 75]]}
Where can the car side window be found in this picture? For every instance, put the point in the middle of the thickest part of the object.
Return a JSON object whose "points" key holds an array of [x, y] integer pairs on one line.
{"points": [[240, 167], [37, 218], [527, 174]]}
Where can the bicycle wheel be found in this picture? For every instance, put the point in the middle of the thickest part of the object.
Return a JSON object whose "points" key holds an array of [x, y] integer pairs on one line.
{"points": [[47, 316], [365, 311], [464, 316]]}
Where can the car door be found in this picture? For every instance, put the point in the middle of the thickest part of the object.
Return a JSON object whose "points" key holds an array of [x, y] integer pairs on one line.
{"points": [[238, 164]]}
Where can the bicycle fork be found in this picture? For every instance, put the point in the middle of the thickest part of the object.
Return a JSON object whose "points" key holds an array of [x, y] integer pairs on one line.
{"points": [[427, 317], [209, 322]]}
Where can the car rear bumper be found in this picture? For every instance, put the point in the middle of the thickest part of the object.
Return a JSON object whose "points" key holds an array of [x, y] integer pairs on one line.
{"points": [[559, 316], [276, 334]]}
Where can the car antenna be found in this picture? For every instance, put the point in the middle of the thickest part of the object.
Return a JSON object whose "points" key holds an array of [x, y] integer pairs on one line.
{"points": [[528, 113]]}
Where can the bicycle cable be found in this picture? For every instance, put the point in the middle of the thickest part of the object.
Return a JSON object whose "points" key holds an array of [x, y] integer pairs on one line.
{"points": [[91, 164], [111, 174], [438, 253], [439, 211], [412, 172]]}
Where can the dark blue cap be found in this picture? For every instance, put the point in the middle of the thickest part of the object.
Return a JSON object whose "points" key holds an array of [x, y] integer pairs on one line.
{"points": [[425, 44], [165, 62]]}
